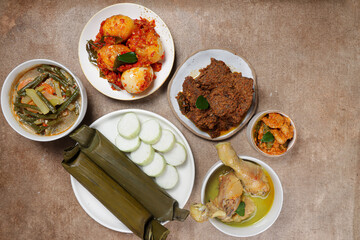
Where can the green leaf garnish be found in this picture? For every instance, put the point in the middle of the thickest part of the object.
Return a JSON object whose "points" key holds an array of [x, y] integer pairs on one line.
{"points": [[202, 103], [121, 59], [269, 145], [91, 51], [117, 39], [256, 130], [268, 137], [241, 209], [101, 74]]}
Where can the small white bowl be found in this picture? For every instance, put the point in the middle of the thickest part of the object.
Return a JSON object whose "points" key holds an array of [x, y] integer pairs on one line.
{"points": [[255, 120], [6, 101], [261, 225]]}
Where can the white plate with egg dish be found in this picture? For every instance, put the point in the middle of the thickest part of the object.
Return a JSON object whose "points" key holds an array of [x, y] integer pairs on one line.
{"points": [[113, 41], [214, 93], [241, 196], [156, 146], [43, 100]]}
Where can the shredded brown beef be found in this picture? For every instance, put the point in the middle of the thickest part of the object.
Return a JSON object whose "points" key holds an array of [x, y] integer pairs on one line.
{"points": [[229, 96]]}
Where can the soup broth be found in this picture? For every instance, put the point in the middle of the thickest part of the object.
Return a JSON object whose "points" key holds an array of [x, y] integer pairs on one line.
{"points": [[57, 90], [263, 204]]}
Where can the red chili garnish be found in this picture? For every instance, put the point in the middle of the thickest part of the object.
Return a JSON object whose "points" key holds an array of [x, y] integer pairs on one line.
{"points": [[156, 66]]}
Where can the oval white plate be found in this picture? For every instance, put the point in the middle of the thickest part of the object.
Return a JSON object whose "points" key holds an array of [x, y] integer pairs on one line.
{"points": [[191, 67], [133, 11], [264, 223], [107, 125]]}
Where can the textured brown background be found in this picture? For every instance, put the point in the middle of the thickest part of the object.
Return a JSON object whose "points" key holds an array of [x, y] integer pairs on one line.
{"points": [[307, 58]]}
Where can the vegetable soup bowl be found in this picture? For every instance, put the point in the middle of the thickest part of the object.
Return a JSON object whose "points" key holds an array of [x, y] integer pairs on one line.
{"points": [[7, 104], [258, 226]]}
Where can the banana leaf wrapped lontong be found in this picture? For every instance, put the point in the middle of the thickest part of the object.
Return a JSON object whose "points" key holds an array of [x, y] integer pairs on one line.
{"points": [[128, 175], [116, 199]]}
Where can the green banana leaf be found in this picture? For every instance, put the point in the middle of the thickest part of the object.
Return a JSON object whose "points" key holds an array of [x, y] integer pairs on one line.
{"points": [[127, 174], [115, 198]]}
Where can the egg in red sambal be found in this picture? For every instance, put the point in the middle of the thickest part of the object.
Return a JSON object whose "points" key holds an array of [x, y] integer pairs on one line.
{"points": [[127, 53]]}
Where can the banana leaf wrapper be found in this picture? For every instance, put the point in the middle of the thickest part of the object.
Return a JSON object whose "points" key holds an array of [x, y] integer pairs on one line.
{"points": [[115, 198], [117, 165]]}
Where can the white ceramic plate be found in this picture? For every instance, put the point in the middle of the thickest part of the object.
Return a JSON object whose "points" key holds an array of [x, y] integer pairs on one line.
{"points": [[107, 125], [264, 223], [133, 11], [191, 67]]}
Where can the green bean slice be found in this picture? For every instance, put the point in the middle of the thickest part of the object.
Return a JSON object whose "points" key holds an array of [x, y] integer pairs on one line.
{"points": [[44, 70], [33, 84], [57, 89], [24, 105], [59, 73], [56, 78], [48, 67], [17, 100], [37, 129], [25, 117], [42, 116], [53, 74], [68, 101], [69, 78], [68, 93], [39, 121], [53, 122], [48, 104]]}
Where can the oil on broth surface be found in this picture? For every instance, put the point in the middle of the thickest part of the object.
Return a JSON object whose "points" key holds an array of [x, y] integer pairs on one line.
{"points": [[263, 205]]}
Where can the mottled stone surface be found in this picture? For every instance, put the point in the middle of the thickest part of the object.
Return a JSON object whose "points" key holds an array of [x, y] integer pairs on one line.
{"points": [[306, 55]]}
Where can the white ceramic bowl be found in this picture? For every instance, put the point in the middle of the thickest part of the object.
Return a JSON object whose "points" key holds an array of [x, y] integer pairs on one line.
{"points": [[6, 101], [262, 224], [255, 120]]}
